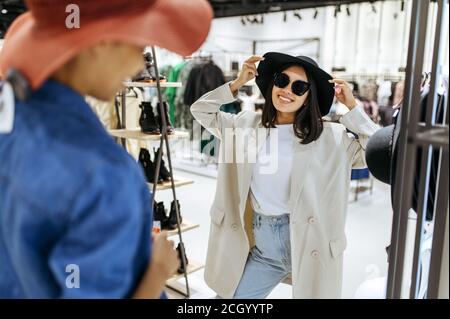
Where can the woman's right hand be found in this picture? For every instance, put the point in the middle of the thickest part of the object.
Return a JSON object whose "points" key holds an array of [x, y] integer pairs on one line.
{"points": [[247, 73], [164, 255], [164, 262]]}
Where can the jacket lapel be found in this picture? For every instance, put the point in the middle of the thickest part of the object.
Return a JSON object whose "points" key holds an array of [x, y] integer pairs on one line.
{"points": [[253, 143]]}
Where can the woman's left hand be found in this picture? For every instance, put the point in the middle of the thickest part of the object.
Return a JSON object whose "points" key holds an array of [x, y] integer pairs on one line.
{"points": [[343, 93]]}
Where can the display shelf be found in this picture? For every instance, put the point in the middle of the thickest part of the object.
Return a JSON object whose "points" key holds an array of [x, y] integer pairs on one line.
{"points": [[185, 226], [138, 135], [152, 84], [179, 181], [192, 266]]}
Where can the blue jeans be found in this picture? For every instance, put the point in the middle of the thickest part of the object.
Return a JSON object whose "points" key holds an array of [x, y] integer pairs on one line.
{"points": [[269, 262]]}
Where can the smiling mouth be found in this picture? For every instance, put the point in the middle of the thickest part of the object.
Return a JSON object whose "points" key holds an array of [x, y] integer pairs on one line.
{"points": [[284, 99]]}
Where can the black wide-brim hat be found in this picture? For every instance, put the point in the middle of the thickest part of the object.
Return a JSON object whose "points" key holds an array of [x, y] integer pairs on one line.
{"points": [[379, 154], [276, 62]]}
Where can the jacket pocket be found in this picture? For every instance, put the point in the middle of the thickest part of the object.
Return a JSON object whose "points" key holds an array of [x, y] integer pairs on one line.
{"points": [[217, 215], [338, 246]]}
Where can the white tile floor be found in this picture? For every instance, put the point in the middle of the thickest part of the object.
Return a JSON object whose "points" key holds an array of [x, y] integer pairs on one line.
{"points": [[368, 233]]}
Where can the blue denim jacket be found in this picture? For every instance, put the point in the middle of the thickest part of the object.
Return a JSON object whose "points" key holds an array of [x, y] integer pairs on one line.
{"points": [[69, 195]]}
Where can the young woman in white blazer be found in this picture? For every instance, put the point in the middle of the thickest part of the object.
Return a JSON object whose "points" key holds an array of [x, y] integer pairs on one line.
{"points": [[274, 221]]}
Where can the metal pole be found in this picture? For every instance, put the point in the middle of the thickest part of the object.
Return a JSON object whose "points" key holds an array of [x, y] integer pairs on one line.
{"points": [[124, 115], [169, 161], [406, 156], [380, 29], [440, 221], [427, 150]]}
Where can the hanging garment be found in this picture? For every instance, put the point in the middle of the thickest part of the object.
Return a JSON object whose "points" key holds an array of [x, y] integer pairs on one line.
{"points": [[171, 92], [384, 93], [369, 90], [398, 93], [182, 117], [105, 111], [203, 77]]}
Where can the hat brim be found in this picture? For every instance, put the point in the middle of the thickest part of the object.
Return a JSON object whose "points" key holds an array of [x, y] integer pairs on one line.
{"points": [[176, 25], [379, 153], [274, 62]]}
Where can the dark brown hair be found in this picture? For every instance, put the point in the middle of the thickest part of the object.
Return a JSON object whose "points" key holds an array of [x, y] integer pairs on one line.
{"points": [[308, 120]]}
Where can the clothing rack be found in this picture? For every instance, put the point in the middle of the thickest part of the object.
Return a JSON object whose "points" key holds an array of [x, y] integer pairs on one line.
{"points": [[202, 56]]}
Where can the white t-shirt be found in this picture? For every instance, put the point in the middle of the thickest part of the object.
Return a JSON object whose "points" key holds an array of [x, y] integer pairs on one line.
{"points": [[270, 193]]}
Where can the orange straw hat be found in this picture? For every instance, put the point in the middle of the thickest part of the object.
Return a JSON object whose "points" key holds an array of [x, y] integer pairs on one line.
{"points": [[40, 41]]}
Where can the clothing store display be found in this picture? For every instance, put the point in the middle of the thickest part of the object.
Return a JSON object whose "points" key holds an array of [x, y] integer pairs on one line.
{"points": [[359, 173], [164, 174], [69, 189], [198, 77], [105, 111], [118, 20], [386, 114], [384, 93], [276, 62], [148, 74], [368, 90], [371, 108], [203, 78], [172, 91], [398, 93], [147, 120], [183, 117], [273, 167], [233, 107], [320, 224], [170, 129], [159, 212], [173, 215], [181, 269], [160, 215], [148, 166]]}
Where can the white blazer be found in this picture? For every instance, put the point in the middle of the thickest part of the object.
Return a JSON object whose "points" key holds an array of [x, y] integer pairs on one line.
{"points": [[318, 199]]}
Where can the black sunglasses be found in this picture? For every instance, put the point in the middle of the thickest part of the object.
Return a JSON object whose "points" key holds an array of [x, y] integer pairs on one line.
{"points": [[299, 87]]}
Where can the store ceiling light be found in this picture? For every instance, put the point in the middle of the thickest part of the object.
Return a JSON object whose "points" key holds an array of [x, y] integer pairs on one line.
{"points": [[4, 11], [274, 8], [297, 15], [337, 10], [374, 9]]}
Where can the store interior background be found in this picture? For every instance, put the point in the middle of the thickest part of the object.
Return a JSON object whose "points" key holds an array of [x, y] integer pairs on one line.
{"points": [[364, 38]]}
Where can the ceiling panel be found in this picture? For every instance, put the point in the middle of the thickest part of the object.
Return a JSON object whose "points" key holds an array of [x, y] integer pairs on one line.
{"points": [[230, 8]]}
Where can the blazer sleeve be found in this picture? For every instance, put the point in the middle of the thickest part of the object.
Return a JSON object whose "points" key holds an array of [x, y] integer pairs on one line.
{"points": [[206, 110], [359, 123]]}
